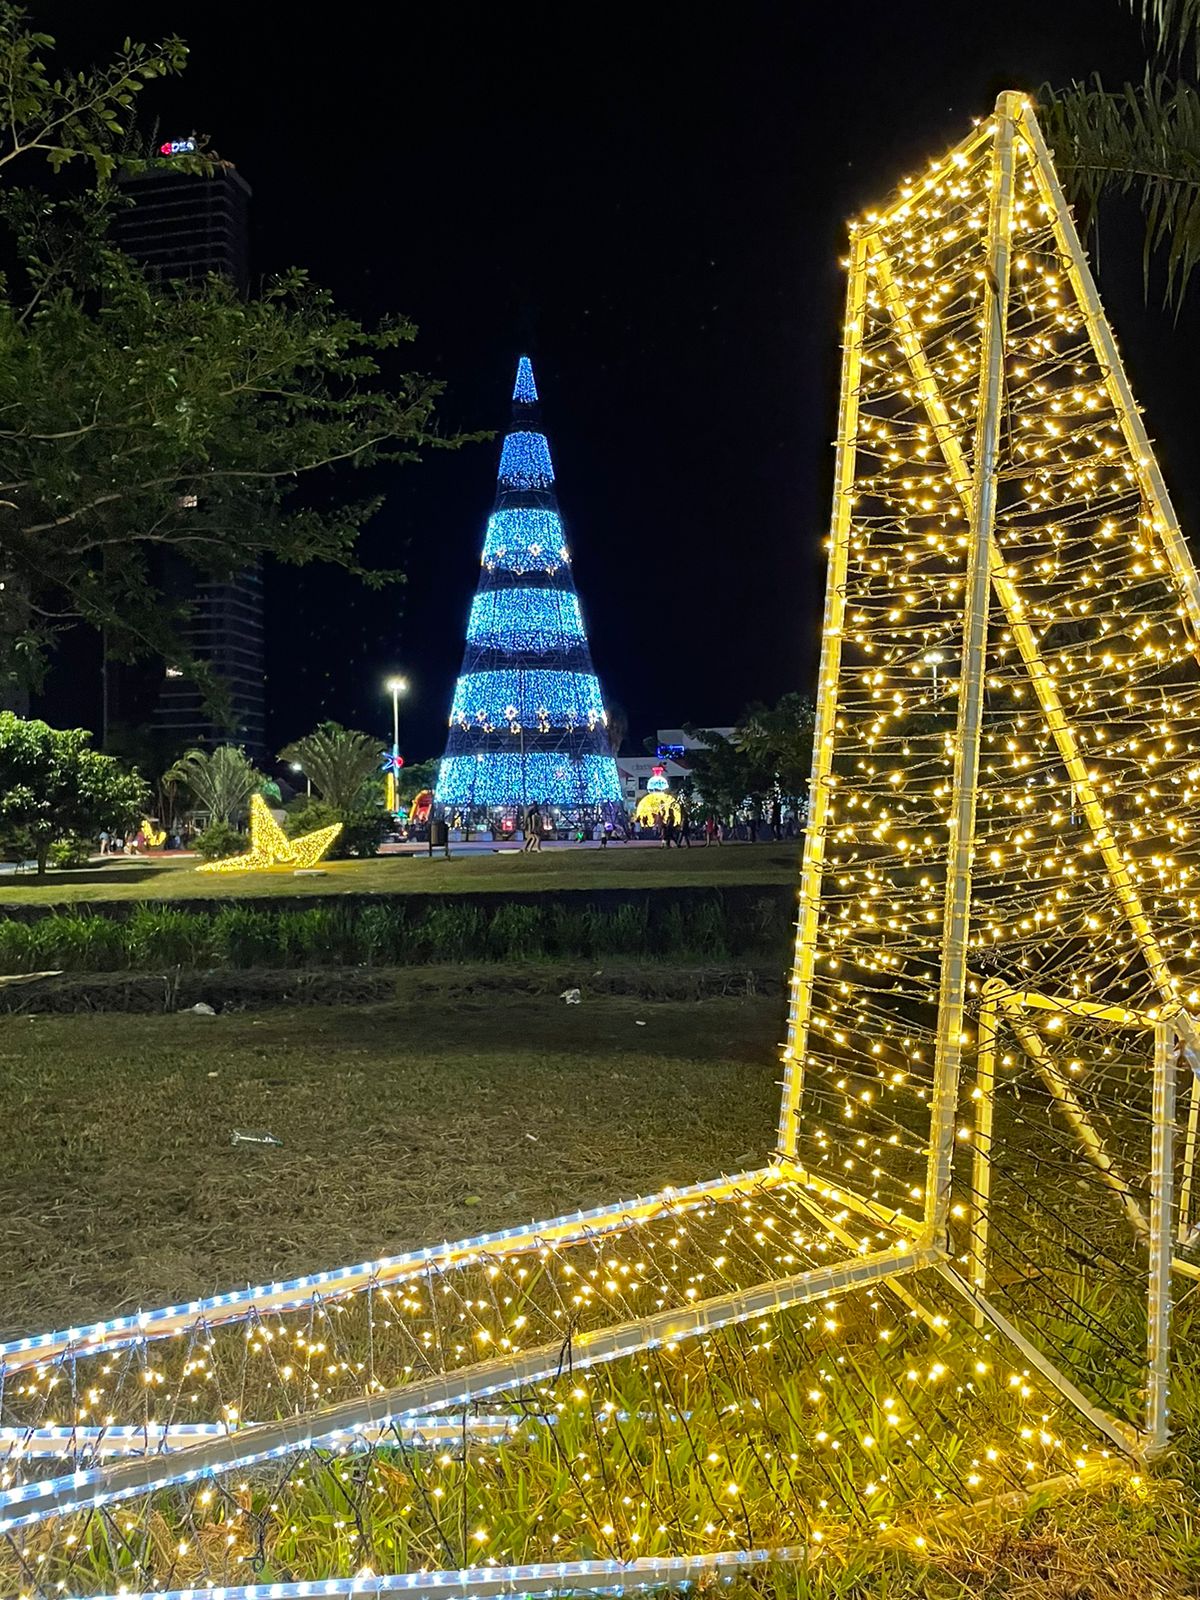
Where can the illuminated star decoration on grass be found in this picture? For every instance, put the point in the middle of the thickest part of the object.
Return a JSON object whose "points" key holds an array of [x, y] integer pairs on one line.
{"points": [[271, 847]]}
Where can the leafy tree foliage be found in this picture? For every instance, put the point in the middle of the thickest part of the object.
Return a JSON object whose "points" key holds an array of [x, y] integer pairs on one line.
{"points": [[1143, 138], [726, 776], [54, 786], [220, 781], [362, 825], [75, 116], [768, 756], [778, 739], [340, 762], [140, 421]]}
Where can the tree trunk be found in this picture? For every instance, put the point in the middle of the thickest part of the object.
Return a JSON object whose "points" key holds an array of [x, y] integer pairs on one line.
{"points": [[43, 853]]}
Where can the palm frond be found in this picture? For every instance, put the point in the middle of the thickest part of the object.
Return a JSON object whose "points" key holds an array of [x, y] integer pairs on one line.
{"points": [[221, 781], [1175, 24], [1143, 139], [338, 760]]}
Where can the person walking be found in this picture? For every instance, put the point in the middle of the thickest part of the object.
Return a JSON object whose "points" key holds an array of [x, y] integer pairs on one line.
{"points": [[712, 830], [684, 836], [776, 820], [533, 828], [668, 826], [104, 838]]}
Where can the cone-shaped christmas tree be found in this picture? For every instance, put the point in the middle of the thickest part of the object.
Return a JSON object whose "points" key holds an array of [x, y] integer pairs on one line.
{"points": [[528, 723]]}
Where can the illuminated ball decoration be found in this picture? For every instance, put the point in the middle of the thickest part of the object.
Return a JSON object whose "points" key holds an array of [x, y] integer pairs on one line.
{"points": [[658, 804]]}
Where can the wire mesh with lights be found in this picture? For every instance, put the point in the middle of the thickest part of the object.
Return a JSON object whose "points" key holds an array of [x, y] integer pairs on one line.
{"points": [[953, 1282]]}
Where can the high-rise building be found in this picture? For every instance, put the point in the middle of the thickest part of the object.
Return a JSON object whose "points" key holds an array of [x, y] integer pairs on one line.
{"points": [[528, 723], [185, 225]]}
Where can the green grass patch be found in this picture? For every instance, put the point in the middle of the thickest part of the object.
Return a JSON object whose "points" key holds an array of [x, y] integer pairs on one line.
{"points": [[619, 867], [459, 1107]]}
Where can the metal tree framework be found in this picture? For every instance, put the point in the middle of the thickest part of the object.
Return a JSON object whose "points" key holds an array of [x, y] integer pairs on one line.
{"points": [[528, 724], [952, 1282]]}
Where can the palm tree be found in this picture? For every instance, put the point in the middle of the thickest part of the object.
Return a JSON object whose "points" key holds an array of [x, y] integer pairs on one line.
{"points": [[1143, 137], [220, 782], [339, 761]]}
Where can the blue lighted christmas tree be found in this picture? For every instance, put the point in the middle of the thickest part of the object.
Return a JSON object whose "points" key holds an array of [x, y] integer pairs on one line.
{"points": [[528, 723]]}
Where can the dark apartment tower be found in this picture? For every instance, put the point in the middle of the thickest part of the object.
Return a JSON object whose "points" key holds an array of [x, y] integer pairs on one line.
{"points": [[184, 225]]}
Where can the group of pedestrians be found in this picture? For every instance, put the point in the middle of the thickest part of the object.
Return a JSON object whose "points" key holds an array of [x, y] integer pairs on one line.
{"points": [[533, 828], [116, 844], [675, 829]]}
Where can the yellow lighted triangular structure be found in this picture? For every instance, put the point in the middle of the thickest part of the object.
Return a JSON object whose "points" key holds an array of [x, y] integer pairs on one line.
{"points": [[271, 847], [954, 1277], [1002, 862]]}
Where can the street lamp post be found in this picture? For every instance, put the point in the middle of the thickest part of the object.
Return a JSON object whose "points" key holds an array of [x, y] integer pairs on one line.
{"points": [[396, 686], [296, 767]]}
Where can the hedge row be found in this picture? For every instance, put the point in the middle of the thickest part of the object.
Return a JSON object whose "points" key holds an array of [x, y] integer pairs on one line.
{"points": [[392, 934]]}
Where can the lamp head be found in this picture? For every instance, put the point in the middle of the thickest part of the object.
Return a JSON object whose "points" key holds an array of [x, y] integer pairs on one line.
{"points": [[396, 685]]}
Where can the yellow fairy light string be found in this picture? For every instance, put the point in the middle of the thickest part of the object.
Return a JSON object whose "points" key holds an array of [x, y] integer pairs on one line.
{"points": [[866, 1406], [270, 846]]}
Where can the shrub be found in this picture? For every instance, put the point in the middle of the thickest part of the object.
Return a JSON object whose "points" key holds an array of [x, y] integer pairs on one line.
{"points": [[349, 933], [362, 827], [606, 930], [70, 852], [75, 941], [303, 937], [515, 931], [448, 933], [383, 935], [16, 947], [218, 841], [165, 936], [246, 938]]}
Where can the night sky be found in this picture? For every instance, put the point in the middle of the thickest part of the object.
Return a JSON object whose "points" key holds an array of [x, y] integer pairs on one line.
{"points": [[651, 200]]}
